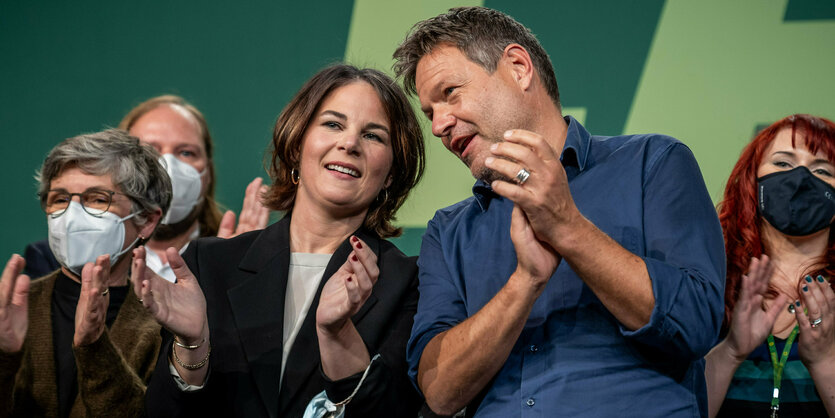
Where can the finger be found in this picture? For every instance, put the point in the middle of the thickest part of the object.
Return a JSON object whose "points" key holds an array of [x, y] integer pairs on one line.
{"points": [[825, 298], [263, 211], [366, 258], [364, 281], [20, 296], [828, 293], [508, 169], [516, 153], [147, 297], [816, 294], [10, 276], [178, 265], [138, 270], [533, 141], [802, 319], [96, 281], [808, 299], [226, 229], [352, 290]]}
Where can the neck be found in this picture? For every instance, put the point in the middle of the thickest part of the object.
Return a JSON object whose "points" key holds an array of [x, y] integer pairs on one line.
{"points": [[118, 274], [314, 229], [178, 242], [549, 122], [793, 255]]}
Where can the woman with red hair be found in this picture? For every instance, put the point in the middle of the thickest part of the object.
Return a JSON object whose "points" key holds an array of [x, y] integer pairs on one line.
{"points": [[778, 353]]}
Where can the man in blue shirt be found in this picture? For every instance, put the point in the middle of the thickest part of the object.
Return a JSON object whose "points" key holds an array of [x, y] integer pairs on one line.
{"points": [[585, 276]]}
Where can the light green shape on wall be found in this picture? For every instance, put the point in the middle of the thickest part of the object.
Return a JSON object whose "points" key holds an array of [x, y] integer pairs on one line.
{"points": [[719, 68], [377, 28]]}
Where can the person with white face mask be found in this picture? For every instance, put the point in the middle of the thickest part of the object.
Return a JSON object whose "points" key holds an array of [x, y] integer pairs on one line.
{"points": [[179, 132], [77, 342]]}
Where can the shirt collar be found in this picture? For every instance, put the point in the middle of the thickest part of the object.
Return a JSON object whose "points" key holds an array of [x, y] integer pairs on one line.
{"points": [[574, 153]]}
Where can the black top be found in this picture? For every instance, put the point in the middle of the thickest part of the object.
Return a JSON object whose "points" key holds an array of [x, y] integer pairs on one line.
{"points": [[244, 280], [40, 260], [64, 303]]}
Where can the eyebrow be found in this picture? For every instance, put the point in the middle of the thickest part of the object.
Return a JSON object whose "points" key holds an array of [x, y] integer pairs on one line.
{"points": [[370, 125], [815, 161]]}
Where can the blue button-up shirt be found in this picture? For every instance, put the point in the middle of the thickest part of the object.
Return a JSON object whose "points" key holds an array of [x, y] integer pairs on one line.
{"points": [[573, 357]]}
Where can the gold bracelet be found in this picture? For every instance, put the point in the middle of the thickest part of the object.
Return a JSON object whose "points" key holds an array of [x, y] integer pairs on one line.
{"points": [[194, 366], [188, 347]]}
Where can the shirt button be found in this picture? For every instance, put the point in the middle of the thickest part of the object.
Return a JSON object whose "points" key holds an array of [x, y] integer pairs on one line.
{"points": [[530, 402], [534, 348]]}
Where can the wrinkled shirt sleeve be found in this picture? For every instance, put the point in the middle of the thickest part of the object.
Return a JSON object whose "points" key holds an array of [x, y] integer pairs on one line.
{"points": [[684, 255], [441, 305]]}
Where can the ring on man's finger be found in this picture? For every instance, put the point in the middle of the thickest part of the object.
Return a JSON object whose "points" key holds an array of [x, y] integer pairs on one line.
{"points": [[816, 322], [106, 291], [522, 176]]}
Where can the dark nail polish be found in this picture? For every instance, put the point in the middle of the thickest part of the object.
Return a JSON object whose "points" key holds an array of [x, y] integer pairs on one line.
{"points": [[820, 279], [359, 244], [797, 303], [354, 258], [355, 239], [805, 288], [809, 279], [349, 279]]}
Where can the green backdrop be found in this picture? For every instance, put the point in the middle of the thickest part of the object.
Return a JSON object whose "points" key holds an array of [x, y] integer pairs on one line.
{"points": [[707, 72]]}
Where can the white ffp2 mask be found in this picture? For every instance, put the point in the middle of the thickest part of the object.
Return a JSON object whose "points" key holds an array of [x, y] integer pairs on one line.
{"points": [[77, 238], [186, 185]]}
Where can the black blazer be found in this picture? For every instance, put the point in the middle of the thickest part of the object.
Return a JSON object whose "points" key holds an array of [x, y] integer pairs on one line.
{"points": [[244, 280]]}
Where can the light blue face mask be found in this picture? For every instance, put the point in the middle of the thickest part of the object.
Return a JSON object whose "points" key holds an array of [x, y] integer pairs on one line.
{"points": [[322, 407]]}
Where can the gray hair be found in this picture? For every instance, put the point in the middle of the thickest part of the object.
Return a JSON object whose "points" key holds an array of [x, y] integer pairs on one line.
{"points": [[479, 33], [133, 167]]}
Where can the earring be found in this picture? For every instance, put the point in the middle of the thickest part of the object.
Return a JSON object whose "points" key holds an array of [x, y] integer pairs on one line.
{"points": [[385, 197], [294, 175]]}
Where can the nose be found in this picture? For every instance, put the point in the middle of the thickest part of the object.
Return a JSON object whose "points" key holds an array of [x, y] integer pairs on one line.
{"points": [[350, 142], [442, 122]]}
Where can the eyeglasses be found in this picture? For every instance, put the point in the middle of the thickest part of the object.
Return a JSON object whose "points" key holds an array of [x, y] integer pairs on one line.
{"points": [[94, 201]]}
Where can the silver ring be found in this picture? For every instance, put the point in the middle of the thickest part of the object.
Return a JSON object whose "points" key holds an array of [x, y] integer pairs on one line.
{"points": [[522, 176], [816, 322], [106, 291]]}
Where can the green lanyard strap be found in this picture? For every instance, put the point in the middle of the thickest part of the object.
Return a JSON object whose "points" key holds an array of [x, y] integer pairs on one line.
{"points": [[779, 365]]}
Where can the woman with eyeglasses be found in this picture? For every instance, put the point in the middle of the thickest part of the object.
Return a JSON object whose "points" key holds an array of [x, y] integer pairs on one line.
{"points": [[77, 342], [778, 353]]}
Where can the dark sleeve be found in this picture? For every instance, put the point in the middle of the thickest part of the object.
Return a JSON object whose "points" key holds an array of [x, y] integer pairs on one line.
{"points": [[164, 398], [9, 366], [106, 381], [386, 391], [685, 258], [39, 259]]}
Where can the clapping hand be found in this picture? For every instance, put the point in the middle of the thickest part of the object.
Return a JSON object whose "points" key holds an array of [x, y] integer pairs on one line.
{"points": [[348, 289], [254, 215], [91, 312], [752, 322], [816, 341], [179, 307], [14, 305]]}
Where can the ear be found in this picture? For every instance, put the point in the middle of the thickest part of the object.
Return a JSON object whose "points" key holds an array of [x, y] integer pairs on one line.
{"points": [[519, 64], [152, 219], [389, 179]]}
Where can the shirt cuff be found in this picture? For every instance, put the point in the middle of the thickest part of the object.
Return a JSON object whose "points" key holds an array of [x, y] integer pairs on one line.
{"points": [[181, 384]]}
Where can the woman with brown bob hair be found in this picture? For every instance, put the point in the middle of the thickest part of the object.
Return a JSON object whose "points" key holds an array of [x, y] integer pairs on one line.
{"points": [[778, 351], [317, 308]]}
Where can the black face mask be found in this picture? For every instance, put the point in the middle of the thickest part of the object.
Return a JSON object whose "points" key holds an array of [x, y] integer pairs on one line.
{"points": [[795, 202]]}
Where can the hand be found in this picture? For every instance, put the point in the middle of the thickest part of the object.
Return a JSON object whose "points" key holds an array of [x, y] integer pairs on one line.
{"points": [[14, 305], [91, 312], [179, 307], [254, 215], [348, 289], [535, 259], [544, 197], [816, 346], [751, 322]]}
